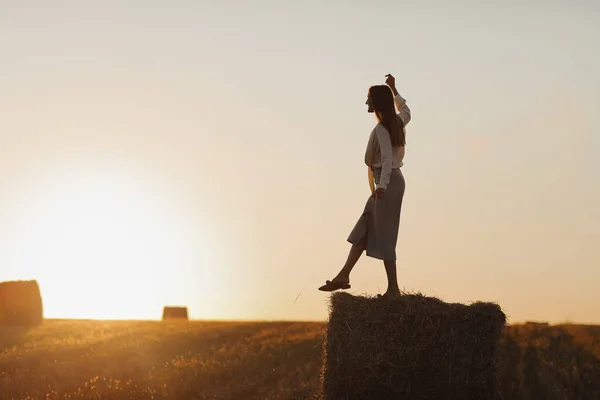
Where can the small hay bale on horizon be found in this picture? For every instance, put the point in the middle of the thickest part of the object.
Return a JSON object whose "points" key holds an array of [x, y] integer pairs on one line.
{"points": [[413, 347], [537, 323], [175, 312], [21, 303]]}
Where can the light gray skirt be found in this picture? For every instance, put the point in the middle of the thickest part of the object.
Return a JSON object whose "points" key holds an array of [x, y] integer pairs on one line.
{"points": [[381, 218]]}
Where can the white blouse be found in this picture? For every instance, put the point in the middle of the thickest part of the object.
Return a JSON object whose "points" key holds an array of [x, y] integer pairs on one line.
{"points": [[379, 153]]}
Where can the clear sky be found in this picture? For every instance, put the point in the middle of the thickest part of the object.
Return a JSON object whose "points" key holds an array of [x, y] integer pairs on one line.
{"points": [[210, 153]]}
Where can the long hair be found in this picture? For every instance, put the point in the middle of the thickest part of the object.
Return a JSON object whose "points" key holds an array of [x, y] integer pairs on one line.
{"points": [[382, 101]]}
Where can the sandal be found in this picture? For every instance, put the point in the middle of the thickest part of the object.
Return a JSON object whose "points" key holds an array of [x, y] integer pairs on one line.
{"points": [[330, 286]]}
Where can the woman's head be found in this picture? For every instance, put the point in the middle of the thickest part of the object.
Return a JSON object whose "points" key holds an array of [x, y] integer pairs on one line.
{"points": [[381, 101]]}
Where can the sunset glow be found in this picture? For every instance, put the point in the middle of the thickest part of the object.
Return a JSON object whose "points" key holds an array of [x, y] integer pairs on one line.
{"points": [[106, 247], [211, 154]]}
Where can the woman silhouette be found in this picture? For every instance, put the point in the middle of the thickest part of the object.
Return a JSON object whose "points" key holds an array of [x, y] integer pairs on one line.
{"points": [[376, 231]]}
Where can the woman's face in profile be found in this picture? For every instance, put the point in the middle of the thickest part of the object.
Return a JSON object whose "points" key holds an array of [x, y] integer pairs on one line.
{"points": [[369, 103]]}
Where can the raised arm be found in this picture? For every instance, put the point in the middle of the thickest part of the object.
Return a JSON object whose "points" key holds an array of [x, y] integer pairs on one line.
{"points": [[403, 109]]}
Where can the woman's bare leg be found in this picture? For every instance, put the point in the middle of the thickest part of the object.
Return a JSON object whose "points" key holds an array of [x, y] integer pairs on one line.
{"points": [[392, 276], [353, 255]]}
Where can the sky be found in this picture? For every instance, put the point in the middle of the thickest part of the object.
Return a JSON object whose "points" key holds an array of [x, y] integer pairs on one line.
{"points": [[210, 153]]}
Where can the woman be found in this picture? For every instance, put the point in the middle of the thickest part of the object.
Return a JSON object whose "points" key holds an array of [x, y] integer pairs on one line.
{"points": [[377, 228]]}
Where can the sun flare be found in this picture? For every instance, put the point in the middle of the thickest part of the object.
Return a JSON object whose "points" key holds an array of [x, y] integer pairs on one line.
{"points": [[105, 247]]}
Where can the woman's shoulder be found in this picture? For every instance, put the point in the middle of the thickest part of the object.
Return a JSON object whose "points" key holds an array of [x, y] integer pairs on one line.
{"points": [[379, 129], [376, 128]]}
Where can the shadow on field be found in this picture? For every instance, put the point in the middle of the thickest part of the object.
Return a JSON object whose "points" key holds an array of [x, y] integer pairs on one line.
{"points": [[11, 336]]}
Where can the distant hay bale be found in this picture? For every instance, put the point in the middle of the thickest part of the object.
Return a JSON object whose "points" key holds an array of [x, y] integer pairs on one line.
{"points": [[172, 312], [20, 303], [537, 323], [413, 347]]}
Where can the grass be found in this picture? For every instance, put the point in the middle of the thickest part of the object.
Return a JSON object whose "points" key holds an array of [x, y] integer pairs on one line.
{"points": [[160, 360], [249, 360]]}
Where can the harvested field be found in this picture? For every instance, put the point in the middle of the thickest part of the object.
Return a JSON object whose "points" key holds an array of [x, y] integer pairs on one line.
{"points": [[249, 360]]}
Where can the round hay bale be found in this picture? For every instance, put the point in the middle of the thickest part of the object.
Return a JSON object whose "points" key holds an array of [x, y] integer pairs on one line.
{"points": [[21, 303], [175, 312]]}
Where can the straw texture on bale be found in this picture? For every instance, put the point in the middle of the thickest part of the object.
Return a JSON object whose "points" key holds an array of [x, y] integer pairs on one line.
{"points": [[171, 312], [413, 347], [20, 303]]}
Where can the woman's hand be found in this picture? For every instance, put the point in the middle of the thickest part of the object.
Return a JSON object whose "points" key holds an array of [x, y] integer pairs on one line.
{"points": [[379, 193], [391, 82]]}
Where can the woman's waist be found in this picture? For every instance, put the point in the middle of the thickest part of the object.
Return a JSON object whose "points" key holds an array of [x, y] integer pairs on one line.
{"points": [[379, 166], [377, 172], [377, 162]]}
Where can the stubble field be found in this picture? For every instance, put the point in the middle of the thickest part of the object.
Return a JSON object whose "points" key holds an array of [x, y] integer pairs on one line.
{"points": [[249, 360]]}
